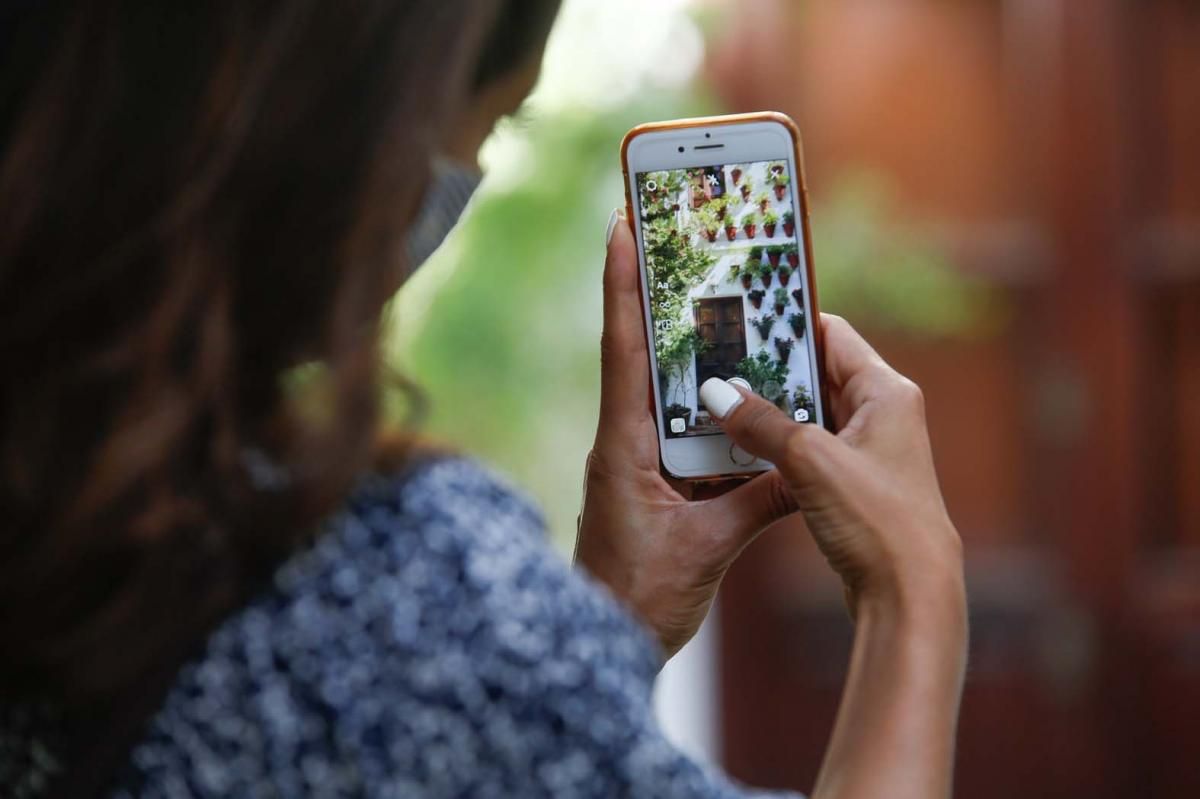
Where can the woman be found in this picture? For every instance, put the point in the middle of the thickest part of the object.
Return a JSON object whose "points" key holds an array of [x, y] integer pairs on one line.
{"points": [[216, 580]]}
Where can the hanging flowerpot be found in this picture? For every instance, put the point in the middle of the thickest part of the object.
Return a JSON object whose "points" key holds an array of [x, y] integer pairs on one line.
{"points": [[785, 274], [781, 299], [793, 257], [770, 219], [796, 320], [773, 255], [731, 231], [745, 192], [784, 347], [779, 191], [736, 174], [750, 224], [763, 326], [765, 277], [798, 296], [747, 280], [756, 298], [710, 234]]}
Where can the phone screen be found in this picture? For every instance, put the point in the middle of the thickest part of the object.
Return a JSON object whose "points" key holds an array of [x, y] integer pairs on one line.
{"points": [[727, 281]]}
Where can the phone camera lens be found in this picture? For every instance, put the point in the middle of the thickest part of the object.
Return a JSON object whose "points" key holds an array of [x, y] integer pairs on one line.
{"points": [[708, 135], [681, 148]]}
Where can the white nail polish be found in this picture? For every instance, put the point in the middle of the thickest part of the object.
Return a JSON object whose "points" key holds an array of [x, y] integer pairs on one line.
{"points": [[612, 225], [719, 397], [737, 381]]}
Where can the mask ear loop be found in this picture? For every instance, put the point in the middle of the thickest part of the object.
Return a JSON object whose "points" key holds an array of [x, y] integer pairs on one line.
{"points": [[451, 188]]}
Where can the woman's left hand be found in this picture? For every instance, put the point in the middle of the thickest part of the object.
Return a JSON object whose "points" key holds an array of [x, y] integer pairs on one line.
{"points": [[659, 547]]}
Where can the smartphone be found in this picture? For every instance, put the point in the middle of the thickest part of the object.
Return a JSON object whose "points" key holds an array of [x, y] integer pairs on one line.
{"points": [[720, 212]]}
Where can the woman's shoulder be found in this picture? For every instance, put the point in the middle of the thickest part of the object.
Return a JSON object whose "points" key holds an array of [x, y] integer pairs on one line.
{"points": [[432, 602]]}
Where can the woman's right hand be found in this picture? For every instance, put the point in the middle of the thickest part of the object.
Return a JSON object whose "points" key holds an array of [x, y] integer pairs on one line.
{"points": [[871, 500], [869, 494]]}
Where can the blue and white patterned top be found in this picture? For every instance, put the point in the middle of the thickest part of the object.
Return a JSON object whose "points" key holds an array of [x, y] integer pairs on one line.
{"points": [[429, 644]]}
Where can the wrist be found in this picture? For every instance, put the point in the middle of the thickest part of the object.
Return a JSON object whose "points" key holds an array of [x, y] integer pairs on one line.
{"points": [[933, 601]]}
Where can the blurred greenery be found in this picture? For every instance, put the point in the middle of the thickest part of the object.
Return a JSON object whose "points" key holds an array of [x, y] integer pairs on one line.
{"points": [[501, 328]]}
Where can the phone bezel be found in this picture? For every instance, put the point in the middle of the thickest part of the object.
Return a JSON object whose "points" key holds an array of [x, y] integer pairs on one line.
{"points": [[745, 138]]}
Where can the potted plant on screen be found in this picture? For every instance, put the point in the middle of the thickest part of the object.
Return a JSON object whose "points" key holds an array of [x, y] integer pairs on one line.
{"points": [[750, 268], [756, 298], [784, 347], [706, 221], [798, 296], [735, 271], [746, 273], [802, 398], [735, 172], [756, 252], [730, 227], [770, 220], [750, 224], [776, 168], [747, 187], [763, 325], [720, 206], [773, 254], [789, 224], [785, 273], [781, 298], [764, 274], [765, 375], [780, 182], [797, 320], [793, 254], [762, 199]]}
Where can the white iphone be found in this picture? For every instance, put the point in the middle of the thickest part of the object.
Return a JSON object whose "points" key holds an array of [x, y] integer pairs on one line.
{"points": [[720, 212]]}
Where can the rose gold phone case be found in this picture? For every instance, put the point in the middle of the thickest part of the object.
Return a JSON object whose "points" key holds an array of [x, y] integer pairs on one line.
{"points": [[818, 337]]}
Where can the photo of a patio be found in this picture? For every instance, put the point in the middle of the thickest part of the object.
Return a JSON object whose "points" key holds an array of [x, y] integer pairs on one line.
{"points": [[726, 288]]}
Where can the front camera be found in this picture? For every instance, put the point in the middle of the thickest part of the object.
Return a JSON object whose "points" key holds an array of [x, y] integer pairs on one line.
{"points": [[681, 148]]}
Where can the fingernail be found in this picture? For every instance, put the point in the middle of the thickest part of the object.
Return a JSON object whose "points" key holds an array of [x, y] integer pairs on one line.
{"points": [[612, 225], [719, 397], [737, 381]]}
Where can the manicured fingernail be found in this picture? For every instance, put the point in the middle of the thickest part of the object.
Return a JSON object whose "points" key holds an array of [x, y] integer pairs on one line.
{"points": [[737, 381], [719, 397], [612, 225]]}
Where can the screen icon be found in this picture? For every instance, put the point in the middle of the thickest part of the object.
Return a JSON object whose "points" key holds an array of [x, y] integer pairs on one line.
{"points": [[678, 425], [801, 415]]}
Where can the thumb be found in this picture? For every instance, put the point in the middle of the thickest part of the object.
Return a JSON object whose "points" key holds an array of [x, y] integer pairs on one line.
{"points": [[799, 451]]}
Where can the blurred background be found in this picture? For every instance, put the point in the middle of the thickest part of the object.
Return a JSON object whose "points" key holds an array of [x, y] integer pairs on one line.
{"points": [[1006, 201]]}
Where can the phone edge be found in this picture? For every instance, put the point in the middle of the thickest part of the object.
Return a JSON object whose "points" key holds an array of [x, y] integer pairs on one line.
{"points": [[810, 270]]}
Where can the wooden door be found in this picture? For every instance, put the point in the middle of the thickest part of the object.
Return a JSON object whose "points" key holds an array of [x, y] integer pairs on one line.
{"points": [[721, 323]]}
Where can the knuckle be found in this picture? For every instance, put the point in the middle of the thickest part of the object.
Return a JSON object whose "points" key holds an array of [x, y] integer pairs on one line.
{"points": [[756, 421], [910, 393]]}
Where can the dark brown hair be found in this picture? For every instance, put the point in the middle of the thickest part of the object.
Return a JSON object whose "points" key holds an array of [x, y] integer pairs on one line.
{"points": [[194, 199]]}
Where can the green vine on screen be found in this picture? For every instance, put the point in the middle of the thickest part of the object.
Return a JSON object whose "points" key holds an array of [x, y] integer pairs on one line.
{"points": [[674, 267]]}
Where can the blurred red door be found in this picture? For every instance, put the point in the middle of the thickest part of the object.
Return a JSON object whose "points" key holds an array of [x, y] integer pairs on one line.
{"points": [[1055, 149]]}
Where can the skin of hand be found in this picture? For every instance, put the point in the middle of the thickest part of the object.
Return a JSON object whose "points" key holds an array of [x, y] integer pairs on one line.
{"points": [[868, 495], [870, 498], [660, 546]]}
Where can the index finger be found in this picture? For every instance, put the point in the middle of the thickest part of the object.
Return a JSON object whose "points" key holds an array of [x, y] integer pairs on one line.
{"points": [[854, 369]]}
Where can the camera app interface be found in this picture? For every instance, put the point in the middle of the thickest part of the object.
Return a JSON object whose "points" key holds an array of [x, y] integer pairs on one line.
{"points": [[726, 276]]}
